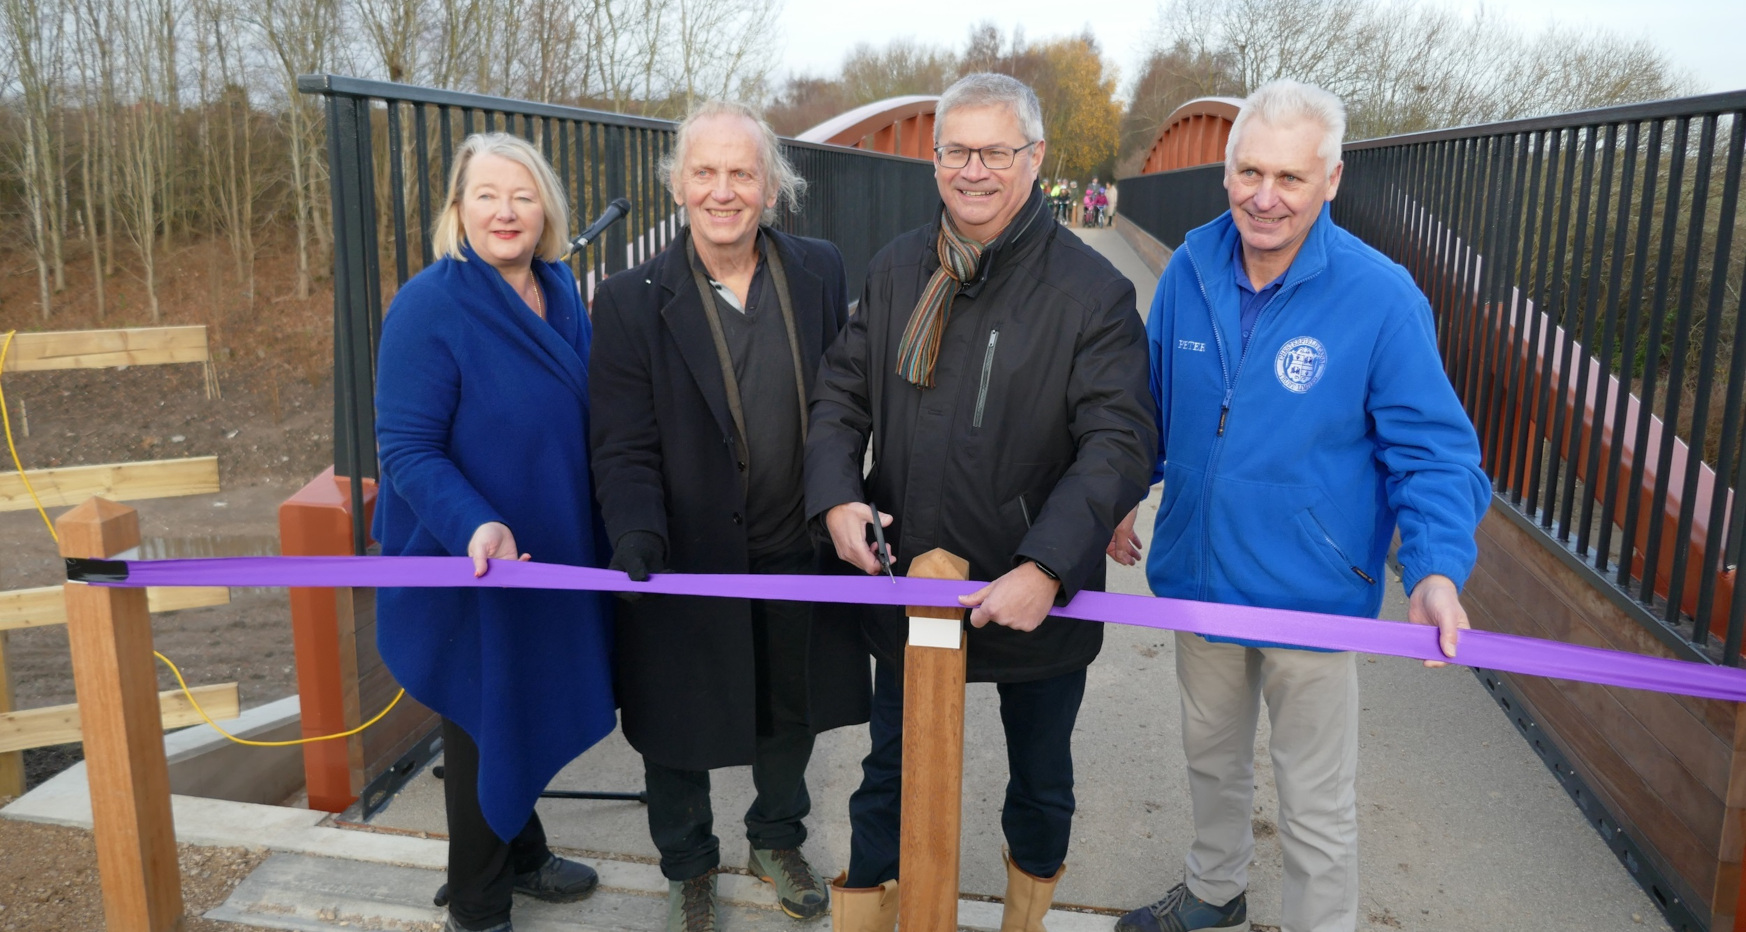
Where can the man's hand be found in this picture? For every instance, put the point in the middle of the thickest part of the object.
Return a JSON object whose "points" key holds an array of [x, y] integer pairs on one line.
{"points": [[637, 554], [492, 541], [1124, 545], [1020, 600], [1435, 601], [848, 525]]}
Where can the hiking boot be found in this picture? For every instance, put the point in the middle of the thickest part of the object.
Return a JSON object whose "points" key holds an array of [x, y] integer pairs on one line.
{"points": [[450, 925], [691, 904], [1182, 911], [558, 881], [863, 909], [1027, 897], [800, 891]]}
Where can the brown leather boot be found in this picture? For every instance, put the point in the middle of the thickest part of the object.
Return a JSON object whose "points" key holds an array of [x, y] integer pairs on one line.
{"points": [[1027, 897], [863, 909]]}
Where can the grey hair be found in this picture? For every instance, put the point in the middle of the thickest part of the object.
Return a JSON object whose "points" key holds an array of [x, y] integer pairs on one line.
{"points": [[448, 233], [772, 164], [1283, 102], [986, 89]]}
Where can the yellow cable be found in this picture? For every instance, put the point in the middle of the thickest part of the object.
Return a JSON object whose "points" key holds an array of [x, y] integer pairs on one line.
{"points": [[6, 421], [6, 418], [268, 744]]}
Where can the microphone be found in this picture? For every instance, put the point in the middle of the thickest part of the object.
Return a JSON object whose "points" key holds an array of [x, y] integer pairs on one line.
{"points": [[613, 213]]}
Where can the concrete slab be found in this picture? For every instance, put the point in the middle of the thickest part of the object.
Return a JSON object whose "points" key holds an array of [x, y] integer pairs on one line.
{"points": [[1108, 241], [312, 894]]}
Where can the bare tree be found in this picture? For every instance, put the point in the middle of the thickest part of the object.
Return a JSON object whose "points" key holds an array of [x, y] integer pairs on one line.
{"points": [[299, 36], [1402, 66], [902, 67], [34, 41], [226, 133], [94, 144]]}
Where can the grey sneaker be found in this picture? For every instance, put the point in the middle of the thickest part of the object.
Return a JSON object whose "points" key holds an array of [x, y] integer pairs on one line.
{"points": [[1182, 911], [558, 881], [450, 925], [691, 904], [800, 891]]}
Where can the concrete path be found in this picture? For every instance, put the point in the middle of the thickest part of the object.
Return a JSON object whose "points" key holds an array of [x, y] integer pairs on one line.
{"points": [[1462, 828]]}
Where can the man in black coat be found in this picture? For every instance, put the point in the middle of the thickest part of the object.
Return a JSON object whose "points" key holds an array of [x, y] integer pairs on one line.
{"points": [[701, 363], [998, 366]]}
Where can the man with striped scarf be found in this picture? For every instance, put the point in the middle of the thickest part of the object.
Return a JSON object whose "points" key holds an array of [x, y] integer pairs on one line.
{"points": [[998, 367]]}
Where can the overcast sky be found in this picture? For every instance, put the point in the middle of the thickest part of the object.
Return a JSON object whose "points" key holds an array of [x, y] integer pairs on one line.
{"points": [[1702, 36]]}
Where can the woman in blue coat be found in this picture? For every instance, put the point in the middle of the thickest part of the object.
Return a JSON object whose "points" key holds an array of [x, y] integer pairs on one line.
{"points": [[482, 430]]}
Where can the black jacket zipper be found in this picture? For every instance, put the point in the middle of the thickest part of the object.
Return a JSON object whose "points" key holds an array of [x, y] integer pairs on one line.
{"points": [[987, 368]]}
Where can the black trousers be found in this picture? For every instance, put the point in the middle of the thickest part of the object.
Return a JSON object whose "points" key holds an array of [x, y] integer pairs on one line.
{"points": [[1037, 819], [482, 867], [681, 820]]}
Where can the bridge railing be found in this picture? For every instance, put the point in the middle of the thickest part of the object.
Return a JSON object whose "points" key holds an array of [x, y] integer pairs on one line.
{"points": [[1586, 273], [390, 149]]}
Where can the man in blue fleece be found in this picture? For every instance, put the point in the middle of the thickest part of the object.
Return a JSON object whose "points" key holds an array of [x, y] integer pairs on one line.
{"points": [[1303, 415]]}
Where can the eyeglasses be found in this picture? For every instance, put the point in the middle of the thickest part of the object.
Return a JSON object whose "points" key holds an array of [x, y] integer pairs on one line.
{"points": [[994, 158]]}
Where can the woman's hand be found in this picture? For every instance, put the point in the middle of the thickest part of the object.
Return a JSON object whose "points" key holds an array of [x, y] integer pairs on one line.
{"points": [[493, 541]]}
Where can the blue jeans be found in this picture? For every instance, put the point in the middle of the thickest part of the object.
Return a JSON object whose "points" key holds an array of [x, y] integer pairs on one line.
{"points": [[1038, 816]]}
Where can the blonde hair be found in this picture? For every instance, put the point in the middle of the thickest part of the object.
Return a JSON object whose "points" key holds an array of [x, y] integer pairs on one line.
{"points": [[448, 235], [778, 172]]}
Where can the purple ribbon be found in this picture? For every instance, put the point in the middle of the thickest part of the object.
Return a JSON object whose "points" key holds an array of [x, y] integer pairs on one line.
{"points": [[1484, 649]]}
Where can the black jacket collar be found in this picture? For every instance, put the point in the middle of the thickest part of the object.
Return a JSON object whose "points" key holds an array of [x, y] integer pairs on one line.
{"points": [[1031, 225]]}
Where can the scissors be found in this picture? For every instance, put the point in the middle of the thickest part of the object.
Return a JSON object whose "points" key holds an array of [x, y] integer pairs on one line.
{"points": [[881, 554]]}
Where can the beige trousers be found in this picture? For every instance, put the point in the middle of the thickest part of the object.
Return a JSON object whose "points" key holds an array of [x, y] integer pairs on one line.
{"points": [[1312, 705]]}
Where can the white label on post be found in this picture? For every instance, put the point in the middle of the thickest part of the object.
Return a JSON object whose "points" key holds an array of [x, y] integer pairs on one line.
{"points": [[935, 632]]}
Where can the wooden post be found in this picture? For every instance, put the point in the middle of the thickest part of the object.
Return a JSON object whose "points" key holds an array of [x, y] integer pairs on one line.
{"points": [[110, 633], [11, 764], [933, 755]]}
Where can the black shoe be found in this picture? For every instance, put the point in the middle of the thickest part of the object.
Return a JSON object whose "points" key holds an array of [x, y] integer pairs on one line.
{"points": [[558, 881], [1182, 911]]}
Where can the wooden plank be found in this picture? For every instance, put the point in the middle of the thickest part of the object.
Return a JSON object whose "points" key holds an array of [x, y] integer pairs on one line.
{"points": [[60, 724], [1635, 807], [160, 599], [11, 763], [68, 485], [933, 765], [1520, 563], [1667, 769], [33, 608], [400, 730], [1585, 602], [102, 349], [110, 633]]}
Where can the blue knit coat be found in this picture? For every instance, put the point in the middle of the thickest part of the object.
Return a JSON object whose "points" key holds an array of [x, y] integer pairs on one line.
{"points": [[482, 415]]}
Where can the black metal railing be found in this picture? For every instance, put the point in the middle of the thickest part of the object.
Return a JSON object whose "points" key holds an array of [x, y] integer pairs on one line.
{"points": [[390, 149], [1586, 272], [1169, 204]]}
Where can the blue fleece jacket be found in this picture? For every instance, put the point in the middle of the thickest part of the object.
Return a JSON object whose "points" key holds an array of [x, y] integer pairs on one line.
{"points": [[1287, 467]]}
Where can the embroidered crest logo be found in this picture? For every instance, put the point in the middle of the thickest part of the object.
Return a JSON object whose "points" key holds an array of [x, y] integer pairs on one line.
{"points": [[1300, 363]]}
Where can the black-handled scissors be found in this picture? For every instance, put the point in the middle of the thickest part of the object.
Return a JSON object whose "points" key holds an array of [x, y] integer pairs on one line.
{"points": [[881, 554]]}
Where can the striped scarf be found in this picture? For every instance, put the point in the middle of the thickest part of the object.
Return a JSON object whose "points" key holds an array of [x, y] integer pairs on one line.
{"points": [[920, 347]]}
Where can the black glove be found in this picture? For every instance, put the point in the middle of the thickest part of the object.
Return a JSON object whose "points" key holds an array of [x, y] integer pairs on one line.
{"points": [[637, 554]]}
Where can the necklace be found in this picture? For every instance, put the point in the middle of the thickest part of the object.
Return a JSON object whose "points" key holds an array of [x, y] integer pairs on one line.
{"points": [[539, 300]]}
